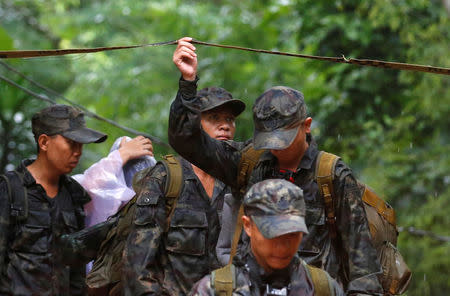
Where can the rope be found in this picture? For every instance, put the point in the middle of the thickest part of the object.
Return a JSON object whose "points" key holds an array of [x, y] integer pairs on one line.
{"points": [[87, 112], [360, 62], [14, 54]]}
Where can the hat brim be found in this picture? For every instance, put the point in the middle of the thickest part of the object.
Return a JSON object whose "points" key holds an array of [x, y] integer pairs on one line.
{"points": [[273, 226], [236, 106], [85, 135], [278, 139]]}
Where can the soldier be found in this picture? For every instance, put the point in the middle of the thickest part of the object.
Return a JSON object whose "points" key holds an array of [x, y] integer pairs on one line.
{"points": [[39, 203], [167, 258], [274, 220], [283, 130]]}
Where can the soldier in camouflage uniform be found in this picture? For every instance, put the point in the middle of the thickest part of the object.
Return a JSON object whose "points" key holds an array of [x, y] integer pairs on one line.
{"points": [[161, 259], [30, 260], [274, 220], [282, 129]]}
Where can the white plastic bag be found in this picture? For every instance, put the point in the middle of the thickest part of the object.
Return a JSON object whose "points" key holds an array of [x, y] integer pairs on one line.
{"points": [[108, 182]]}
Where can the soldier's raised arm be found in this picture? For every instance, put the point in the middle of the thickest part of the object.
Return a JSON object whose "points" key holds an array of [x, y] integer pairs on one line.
{"points": [[217, 158]]}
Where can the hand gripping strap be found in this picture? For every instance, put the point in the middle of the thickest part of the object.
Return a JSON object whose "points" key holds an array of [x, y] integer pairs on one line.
{"points": [[325, 166]]}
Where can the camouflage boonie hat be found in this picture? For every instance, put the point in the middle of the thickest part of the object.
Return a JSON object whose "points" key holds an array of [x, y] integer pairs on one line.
{"points": [[277, 207], [66, 121], [277, 115], [213, 97]]}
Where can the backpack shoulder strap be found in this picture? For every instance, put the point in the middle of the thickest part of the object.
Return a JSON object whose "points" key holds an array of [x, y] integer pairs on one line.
{"points": [[324, 175], [174, 183], [237, 234], [248, 161], [223, 280], [17, 195], [321, 280], [381, 206]]}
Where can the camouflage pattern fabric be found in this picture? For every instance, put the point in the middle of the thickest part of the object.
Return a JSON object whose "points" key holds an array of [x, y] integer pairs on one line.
{"points": [[277, 115], [67, 121], [30, 260], [169, 263], [213, 97], [252, 280], [276, 206], [351, 259]]}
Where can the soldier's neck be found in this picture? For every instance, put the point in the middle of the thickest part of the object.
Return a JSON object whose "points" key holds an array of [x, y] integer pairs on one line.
{"points": [[45, 176], [206, 180]]}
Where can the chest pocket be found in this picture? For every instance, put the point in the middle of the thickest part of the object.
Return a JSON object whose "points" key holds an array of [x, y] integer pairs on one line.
{"points": [[33, 235], [188, 232]]}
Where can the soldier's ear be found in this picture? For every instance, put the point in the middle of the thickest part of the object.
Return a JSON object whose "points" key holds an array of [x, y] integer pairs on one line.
{"points": [[247, 223], [307, 124], [43, 142]]}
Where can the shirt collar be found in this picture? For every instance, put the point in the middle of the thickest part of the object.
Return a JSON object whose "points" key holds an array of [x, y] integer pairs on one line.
{"points": [[28, 178]]}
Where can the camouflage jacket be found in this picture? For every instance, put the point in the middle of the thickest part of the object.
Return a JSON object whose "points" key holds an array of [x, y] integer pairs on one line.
{"points": [[31, 262], [351, 259], [252, 280], [160, 262]]}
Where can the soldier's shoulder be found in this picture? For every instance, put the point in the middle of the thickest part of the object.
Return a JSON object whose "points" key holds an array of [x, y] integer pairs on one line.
{"points": [[148, 176]]}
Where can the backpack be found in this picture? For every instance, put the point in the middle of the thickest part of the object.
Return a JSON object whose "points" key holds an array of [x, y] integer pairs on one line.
{"points": [[223, 280], [18, 198], [105, 276], [396, 275]]}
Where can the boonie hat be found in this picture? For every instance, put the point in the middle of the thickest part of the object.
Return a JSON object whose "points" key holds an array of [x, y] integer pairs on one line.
{"points": [[277, 207], [277, 115], [66, 121], [213, 97]]}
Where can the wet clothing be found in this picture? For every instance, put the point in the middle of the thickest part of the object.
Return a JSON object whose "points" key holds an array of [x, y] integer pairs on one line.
{"points": [[252, 280], [351, 258], [160, 262], [31, 262]]}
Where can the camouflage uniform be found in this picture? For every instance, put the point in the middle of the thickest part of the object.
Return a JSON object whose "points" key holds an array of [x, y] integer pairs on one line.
{"points": [[31, 261], [160, 262], [351, 260], [252, 280], [277, 207]]}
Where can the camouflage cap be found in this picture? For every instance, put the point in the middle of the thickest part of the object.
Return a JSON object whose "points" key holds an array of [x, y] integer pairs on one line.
{"points": [[213, 97], [66, 121], [277, 207], [277, 115]]}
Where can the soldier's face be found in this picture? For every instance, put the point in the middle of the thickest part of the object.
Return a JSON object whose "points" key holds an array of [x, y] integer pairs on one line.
{"points": [[275, 253], [219, 123], [62, 153], [298, 146]]}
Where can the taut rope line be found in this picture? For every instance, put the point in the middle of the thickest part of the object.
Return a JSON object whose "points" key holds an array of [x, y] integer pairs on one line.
{"points": [[11, 54]]}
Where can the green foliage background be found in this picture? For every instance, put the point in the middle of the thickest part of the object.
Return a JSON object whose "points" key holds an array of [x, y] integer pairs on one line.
{"points": [[390, 126]]}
